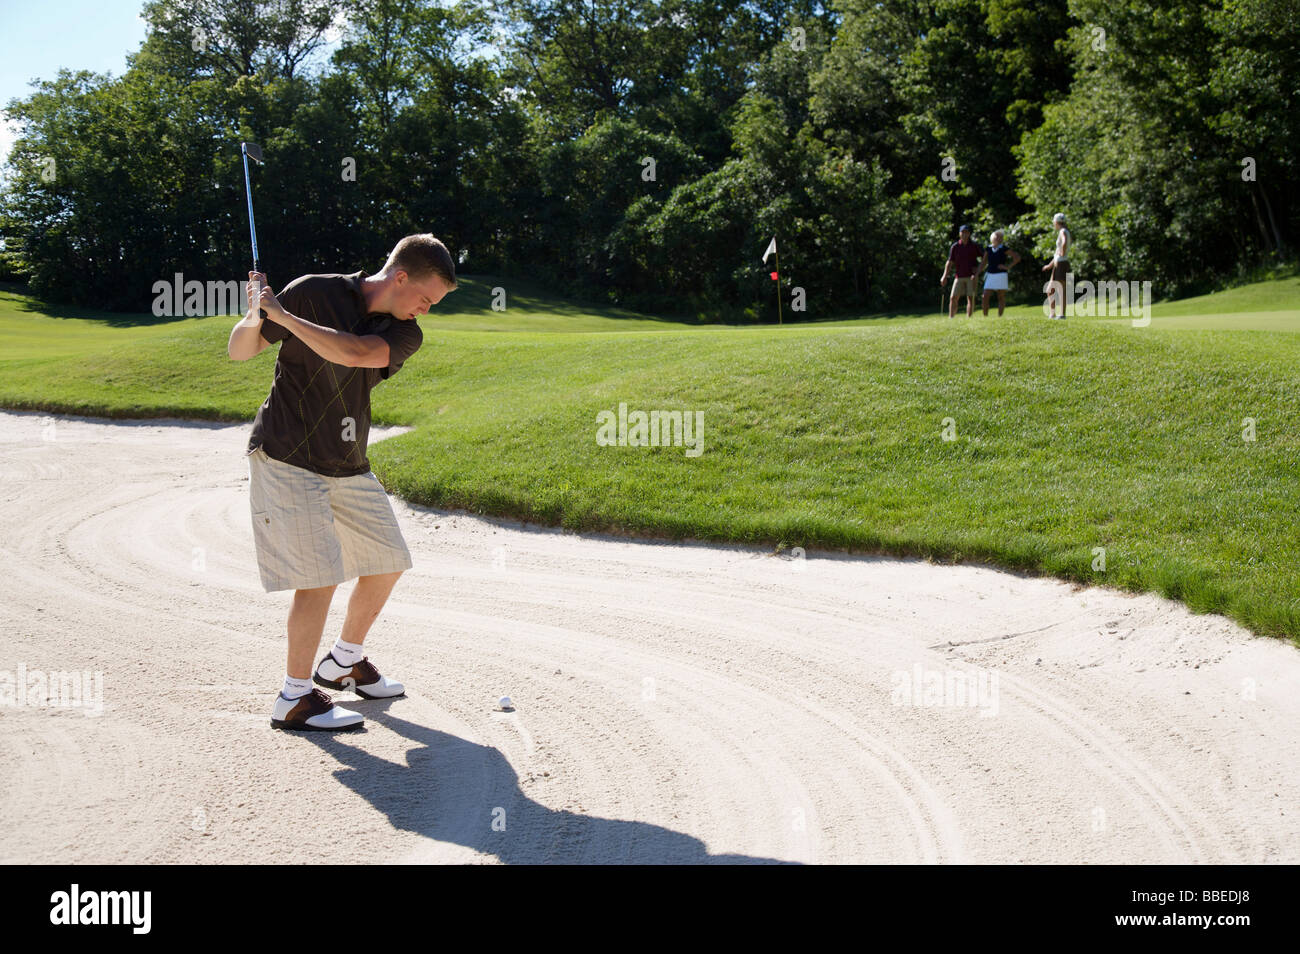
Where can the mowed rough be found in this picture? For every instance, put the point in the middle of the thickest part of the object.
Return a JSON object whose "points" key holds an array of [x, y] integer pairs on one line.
{"points": [[674, 702]]}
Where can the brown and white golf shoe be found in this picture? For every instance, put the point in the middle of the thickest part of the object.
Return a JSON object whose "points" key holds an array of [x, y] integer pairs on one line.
{"points": [[362, 678], [314, 712]]}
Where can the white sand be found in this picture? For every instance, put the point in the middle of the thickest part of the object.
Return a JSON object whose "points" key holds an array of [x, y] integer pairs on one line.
{"points": [[674, 702]]}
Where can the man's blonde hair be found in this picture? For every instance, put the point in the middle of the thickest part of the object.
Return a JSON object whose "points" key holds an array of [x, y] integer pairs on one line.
{"points": [[420, 256]]}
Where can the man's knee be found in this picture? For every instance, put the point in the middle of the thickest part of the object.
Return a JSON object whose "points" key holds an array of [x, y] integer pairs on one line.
{"points": [[315, 593], [318, 589], [382, 576]]}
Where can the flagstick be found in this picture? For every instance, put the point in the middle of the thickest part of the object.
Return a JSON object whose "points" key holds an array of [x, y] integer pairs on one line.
{"points": [[779, 320]]}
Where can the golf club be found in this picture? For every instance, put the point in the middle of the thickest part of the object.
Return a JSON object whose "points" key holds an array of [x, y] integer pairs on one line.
{"points": [[252, 150]]}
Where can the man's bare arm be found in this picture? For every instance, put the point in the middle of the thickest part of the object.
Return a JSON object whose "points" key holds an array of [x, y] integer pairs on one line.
{"points": [[376, 354], [340, 347], [246, 337]]}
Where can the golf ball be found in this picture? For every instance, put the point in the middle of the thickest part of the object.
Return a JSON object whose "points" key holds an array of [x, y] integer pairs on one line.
{"points": [[504, 702]]}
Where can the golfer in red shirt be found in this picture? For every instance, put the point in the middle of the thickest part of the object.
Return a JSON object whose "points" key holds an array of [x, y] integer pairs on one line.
{"points": [[965, 255]]}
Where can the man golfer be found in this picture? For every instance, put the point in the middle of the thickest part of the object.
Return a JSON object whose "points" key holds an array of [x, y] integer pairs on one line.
{"points": [[965, 255], [1059, 266], [320, 516]]}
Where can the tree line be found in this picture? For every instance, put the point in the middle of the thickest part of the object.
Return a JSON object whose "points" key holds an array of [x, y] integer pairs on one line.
{"points": [[643, 152]]}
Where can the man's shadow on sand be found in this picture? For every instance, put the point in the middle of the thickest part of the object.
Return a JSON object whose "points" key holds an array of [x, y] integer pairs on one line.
{"points": [[451, 790]]}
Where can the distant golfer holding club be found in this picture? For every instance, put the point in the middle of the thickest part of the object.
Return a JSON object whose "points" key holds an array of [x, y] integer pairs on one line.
{"points": [[965, 256], [320, 516], [1059, 266], [997, 267]]}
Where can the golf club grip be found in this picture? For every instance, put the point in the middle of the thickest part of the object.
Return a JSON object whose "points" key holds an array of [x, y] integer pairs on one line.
{"points": [[261, 312]]}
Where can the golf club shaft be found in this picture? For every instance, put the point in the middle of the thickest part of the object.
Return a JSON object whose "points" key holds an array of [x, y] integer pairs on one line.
{"points": [[252, 227]]}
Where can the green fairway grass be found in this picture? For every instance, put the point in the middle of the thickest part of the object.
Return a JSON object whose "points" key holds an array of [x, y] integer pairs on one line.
{"points": [[1069, 437], [1263, 306]]}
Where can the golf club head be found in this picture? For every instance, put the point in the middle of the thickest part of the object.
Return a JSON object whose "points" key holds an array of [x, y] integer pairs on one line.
{"points": [[252, 150]]}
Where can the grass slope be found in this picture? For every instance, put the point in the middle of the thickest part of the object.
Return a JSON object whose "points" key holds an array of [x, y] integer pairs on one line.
{"points": [[1067, 436]]}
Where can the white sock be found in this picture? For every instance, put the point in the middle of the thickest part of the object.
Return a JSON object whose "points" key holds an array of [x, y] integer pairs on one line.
{"points": [[295, 688], [347, 654]]}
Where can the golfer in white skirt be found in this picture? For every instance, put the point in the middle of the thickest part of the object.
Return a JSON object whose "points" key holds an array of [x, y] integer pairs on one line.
{"points": [[996, 266]]}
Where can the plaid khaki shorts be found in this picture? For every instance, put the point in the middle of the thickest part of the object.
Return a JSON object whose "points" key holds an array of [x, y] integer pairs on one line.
{"points": [[312, 531]]}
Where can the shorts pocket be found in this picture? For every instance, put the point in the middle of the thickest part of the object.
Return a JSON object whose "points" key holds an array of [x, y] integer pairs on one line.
{"points": [[269, 541], [262, 528]]}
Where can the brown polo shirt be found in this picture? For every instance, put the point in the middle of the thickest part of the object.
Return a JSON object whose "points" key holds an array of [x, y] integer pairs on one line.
{"points": [[317, 415]]}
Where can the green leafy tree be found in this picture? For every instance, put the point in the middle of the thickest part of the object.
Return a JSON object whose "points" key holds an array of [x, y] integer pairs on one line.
{"points": [[232, 38]]}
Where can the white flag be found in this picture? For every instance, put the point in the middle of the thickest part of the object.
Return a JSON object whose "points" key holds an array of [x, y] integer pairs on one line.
{"points": [[771, 249]]}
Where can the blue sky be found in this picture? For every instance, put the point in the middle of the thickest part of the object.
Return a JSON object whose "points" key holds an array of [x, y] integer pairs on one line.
{"points": [[39, 37]]}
